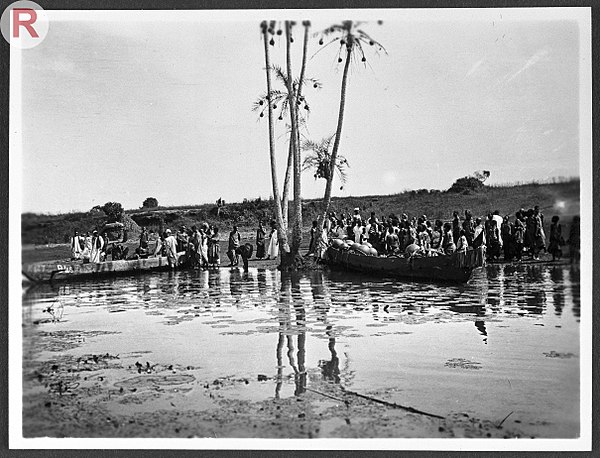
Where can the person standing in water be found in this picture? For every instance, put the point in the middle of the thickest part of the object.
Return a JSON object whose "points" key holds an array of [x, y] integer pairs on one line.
{"points": [[260, 241], [234, 243], [170, 244], [214, 247], [273, 251], [556, 239]]}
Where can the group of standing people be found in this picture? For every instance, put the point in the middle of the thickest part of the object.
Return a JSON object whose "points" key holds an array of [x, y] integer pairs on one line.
{"points": [[267, 245], [88, 247], [500, 235], [200, 243]]}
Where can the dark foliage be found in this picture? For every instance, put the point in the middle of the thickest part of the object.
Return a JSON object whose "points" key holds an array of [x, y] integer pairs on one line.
{"points": [[113, 211], [150, 202], [466, 185]]}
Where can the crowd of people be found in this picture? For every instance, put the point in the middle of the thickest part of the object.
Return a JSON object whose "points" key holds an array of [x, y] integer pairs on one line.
{"points": [[502, 237], [88, 247]]}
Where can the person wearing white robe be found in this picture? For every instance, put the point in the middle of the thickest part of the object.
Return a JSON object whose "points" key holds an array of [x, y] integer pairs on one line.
{"points": [[87, 247], [171, 248], [358, 231], [76, 250], [96, 249], [323, 244], [273, 250]]}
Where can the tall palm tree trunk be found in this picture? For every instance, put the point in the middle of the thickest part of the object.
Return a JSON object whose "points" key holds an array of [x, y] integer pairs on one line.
{"points": [[281, 229], [285, 199], [290, 159], [297, 208], [338, 135]]}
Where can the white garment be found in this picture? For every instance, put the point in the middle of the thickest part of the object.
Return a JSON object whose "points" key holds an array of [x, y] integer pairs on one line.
{"points": [[171, 248], [357, 233], [97, 244], [323, 244], [76, 249], [462, 243], [87, 247], [479, 229], [499, 220], [273, 249]]}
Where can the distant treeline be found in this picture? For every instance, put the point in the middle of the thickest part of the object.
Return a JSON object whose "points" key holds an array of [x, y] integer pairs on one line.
{"points": [[559, 197]]}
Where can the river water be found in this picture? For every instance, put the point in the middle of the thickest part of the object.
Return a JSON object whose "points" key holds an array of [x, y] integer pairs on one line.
{"points": [[506, 342]]}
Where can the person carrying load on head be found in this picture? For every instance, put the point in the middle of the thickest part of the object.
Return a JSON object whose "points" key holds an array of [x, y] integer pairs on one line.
{"points": [[77, 245]]}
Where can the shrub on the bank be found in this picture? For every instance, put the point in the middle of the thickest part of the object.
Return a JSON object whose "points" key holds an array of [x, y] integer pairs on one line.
{"points": [[150, 202], [113, 211], [469, 184]]}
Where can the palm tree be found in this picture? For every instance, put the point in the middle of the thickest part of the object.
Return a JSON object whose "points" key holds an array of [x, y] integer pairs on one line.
{"points": [[281, 228], [351, 40], [291, 97], [299, 100], [319, 159]]}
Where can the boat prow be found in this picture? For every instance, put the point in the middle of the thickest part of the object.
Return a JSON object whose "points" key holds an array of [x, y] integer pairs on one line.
{"points": [[66, 270]]}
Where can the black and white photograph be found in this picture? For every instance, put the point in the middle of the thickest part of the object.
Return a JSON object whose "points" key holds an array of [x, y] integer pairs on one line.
{"points": [[306, 229]]}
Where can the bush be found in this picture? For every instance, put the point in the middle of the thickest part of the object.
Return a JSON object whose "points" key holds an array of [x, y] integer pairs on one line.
{"points": [[466, 185], [150, 202], [113, 210]]}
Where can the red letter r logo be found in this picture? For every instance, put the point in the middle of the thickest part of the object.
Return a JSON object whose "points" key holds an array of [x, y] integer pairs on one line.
{"points": [[27, 23]]}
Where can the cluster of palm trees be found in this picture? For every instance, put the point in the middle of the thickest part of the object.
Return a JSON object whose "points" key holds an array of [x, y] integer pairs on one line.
{"points": [[292, 103]]}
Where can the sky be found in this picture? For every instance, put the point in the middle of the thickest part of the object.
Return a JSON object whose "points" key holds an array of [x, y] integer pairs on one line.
{"points": [[121, 108]]}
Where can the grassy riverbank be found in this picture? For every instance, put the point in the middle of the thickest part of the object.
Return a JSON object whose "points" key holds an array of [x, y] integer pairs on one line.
{"points": [[553, 198]]}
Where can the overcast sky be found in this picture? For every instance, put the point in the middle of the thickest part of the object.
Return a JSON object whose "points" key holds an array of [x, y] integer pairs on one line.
{"points": [[123, 109]]}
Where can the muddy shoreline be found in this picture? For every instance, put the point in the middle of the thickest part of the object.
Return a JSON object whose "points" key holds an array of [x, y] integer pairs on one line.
{"points": [[77, 397]]}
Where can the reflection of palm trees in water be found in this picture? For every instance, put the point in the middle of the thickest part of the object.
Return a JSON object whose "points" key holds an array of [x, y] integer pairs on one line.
{"points": [[291, 295]]}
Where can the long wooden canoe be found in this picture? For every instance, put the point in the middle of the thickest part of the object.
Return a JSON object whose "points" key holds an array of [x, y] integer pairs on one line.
{"points": [[456, 267], [67, 270]]}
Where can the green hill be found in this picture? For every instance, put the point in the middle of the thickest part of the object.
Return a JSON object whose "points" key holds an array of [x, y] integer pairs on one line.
{"points": [[560, 198]]}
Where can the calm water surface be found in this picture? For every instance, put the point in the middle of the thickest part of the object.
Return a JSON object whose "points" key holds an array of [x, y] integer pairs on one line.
{"points": [[508, 341]]}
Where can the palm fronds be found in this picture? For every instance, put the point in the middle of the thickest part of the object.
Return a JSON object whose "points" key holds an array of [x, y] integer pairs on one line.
{"points": [[319, 159]]}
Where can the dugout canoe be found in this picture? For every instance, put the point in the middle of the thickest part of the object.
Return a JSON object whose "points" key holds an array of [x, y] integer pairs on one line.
{"points": [[457, 267], [50, 271]]}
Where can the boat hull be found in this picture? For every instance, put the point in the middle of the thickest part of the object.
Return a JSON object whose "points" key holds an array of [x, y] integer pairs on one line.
{"points": [[457, 267], [63, 271]]}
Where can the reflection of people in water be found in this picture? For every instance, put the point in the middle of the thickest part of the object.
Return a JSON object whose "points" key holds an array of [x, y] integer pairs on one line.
{"points": [[331, 369], [558, 290], [480, 325], [235, 284]]}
